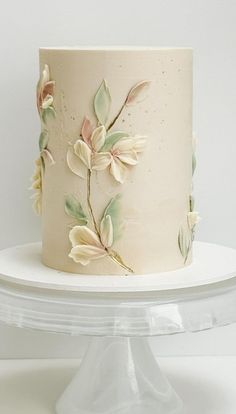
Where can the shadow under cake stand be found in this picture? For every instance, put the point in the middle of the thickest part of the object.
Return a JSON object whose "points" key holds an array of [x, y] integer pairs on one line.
{"points": [[119, 373]]}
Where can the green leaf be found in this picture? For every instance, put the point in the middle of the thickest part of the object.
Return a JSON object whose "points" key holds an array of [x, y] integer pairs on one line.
{"points": [[43, 140], [48, 113], [184, 242], [43, 164], [102, 103], [112, 138], [194, 163], [191, 203], [74, 209], [113, 210]]}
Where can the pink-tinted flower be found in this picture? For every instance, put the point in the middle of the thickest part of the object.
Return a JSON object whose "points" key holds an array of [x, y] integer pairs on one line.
{"points": [[87, 153], [125, 153], [87, 246], [45, 90]]}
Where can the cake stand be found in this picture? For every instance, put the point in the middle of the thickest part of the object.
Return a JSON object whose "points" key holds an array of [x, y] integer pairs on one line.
{"points": [[119, 373]]}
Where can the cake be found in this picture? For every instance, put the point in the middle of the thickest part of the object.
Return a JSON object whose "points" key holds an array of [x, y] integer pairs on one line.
{"points": [[113, 179]]}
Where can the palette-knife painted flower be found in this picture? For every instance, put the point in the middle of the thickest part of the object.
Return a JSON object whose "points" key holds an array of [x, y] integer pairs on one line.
{"points": [[87, 246], [45, 94], [116, 151]]}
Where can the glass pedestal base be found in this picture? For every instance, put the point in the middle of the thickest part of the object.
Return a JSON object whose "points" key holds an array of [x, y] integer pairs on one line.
{"points": [[119, 375]]}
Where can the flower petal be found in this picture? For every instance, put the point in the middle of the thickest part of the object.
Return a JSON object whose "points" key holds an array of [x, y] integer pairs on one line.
{"points": [[84, 152], [86, 130], [106, 229], [48, 89], [45, 75], [137, 93], [75, 164], [112, 138], [47, 101], [37, 203], [101, 160], [129, 157], [84, 253], [118, 170], [139, 143], [48, 156], [124, 144], [98, 138], [83, 235], [193, 219], [36, 185]]}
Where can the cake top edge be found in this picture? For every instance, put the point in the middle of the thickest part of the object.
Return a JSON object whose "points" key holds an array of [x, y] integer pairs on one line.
{"points": [[115, 48]]}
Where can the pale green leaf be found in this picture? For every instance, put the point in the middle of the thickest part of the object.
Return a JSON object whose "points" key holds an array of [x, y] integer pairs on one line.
{"points": [[194, 162], [43, 140], [74, 209], [113, 210], [184, 242], [191, 203], [180, 241], [102, 103], [112, 138], [48, 113]]}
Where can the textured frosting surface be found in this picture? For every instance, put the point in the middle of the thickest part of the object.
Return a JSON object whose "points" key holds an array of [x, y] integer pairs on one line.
{"points": [[155, 193]]}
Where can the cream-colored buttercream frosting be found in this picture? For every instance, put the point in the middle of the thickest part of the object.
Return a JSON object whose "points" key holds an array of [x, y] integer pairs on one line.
{"points": [[113, 205]]}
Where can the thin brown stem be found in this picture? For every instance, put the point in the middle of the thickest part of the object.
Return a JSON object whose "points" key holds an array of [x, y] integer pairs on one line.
{"points": [[117, 259], [89, 203], [116, 117], [112, 254]]}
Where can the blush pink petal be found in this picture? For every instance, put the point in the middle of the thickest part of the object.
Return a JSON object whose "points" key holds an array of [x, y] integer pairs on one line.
{"points": [[86, 131], [48, 89]]}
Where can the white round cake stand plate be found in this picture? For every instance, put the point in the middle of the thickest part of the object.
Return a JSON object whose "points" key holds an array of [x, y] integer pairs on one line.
{"points": [[119, 374]]}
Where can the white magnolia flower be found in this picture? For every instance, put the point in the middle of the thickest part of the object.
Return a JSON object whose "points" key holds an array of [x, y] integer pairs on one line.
{"points": [[87, 245], [193, 219], [125, 152], [85, 155], [37, 186]]}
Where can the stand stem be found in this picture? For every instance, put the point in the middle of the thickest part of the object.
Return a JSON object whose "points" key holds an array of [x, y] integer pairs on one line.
{"points": [[119, 375]]}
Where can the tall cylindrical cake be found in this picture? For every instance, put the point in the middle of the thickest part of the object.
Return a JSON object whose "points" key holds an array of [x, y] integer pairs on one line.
{"points": [[113, 179]]}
